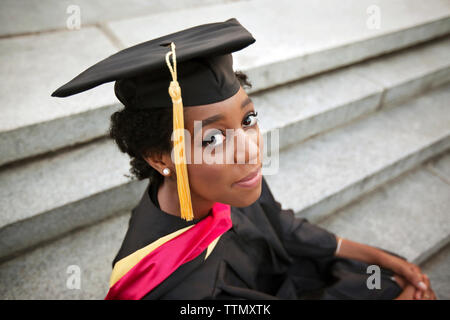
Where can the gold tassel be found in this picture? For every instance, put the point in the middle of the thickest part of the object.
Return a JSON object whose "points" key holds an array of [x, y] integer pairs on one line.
{"points": [[184, 193]]}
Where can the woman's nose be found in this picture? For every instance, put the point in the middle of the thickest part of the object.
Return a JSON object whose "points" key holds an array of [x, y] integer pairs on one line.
{"points": [[246, 146]]}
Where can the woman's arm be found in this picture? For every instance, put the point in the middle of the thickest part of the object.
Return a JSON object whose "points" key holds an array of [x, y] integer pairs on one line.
{"points": [[370, 255], [358, 251]]}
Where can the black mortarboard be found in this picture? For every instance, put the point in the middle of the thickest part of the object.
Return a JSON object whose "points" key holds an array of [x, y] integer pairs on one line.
{"points": [[143, 73], [205, 67]]}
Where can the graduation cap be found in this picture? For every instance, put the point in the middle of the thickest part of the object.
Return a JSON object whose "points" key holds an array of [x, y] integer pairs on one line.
{"points": [[201, 73]]}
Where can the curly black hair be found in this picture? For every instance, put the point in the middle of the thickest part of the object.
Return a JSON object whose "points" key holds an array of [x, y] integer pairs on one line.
{"points": [[141, 133]]}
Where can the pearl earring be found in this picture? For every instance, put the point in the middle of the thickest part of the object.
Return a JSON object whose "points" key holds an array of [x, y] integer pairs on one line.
{"points": [[166, 171]]}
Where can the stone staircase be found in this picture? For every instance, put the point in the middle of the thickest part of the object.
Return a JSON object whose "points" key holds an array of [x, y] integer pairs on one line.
{"points": [[363, 118]]}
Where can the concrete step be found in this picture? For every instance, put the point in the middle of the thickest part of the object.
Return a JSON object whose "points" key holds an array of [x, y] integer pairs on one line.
{"points": [[351, 92], [46, 198], [36, 210], [42, 273], [409, 215], [311, 37], [33, 122], [409, 72], [314, 105], [51, 15], [339, 166], [437, 269]]}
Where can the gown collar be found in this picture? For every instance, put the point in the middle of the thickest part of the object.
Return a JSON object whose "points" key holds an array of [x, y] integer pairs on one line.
{"points": [[149, 210]]}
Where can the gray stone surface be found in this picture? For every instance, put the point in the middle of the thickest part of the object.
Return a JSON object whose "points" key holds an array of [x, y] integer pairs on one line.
{"points": [[42, 273], [335, 36], [25, 16], [314, 105], [438, 270], [310, 106], [410, 71], [441, 167], [32, 68], [329, 171], [46, 198], [80, 173], [409, 216]]}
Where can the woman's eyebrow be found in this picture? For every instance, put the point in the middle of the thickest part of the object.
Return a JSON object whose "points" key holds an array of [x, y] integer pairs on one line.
{"points": [[219, 116], [246, 102]]}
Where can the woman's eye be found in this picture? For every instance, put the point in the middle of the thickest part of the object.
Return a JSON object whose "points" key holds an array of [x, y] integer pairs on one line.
{"points": [[214, 139], [218, 138], [251, 119]]}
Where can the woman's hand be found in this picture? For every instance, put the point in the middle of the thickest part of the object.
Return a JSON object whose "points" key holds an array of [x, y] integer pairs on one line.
{"points": [[410, 292], [408, 289], [410, 272], [429, 294]]}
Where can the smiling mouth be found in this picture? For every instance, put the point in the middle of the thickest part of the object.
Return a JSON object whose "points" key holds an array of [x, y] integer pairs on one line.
{"points": [[250, 180]]}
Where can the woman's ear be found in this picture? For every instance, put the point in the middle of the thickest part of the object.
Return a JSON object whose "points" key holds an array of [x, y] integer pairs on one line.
{"points": [[160, 161]]}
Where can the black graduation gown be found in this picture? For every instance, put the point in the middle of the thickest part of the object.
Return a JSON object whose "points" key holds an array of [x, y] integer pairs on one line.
{"points": [[267, 254]]}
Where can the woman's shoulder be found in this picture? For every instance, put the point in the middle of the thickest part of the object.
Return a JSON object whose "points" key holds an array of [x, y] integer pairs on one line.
{"points": [[146, 225]]}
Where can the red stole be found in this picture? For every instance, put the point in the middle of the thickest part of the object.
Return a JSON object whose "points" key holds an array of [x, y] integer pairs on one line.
{"points": [[161, 262]]}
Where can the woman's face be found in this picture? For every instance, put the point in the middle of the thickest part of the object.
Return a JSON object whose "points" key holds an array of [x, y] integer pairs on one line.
{"points": [[225, 150]]}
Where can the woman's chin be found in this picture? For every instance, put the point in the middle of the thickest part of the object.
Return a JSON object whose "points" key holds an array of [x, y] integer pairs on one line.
{"points": [[246, 198]]}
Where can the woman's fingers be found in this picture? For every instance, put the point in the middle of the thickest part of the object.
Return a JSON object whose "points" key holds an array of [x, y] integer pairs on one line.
{"points": [[407, 294], [410, 291], [416, 268], [412, 274], [418, 295], [429, 294]]}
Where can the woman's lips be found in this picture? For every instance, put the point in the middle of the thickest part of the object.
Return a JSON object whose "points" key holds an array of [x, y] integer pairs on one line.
{"points": [[251, 180]]}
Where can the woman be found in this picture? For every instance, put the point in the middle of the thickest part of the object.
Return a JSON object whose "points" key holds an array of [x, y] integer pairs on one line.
{"points": [[240, 278], [215, 231]]}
